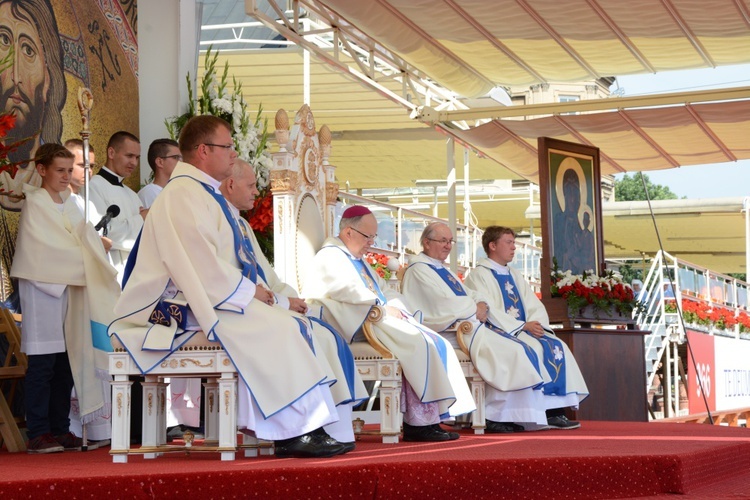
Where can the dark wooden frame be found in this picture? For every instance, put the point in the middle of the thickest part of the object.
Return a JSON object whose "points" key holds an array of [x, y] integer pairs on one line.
{"points": [[548, 147]]}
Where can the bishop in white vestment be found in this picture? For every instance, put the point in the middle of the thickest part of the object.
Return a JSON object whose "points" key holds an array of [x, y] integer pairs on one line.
{"points": [[511, 369], [191, 252], [345, 286], [517, 310]]}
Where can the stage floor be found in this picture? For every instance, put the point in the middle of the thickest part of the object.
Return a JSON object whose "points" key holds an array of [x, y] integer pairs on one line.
{"points": [[600, 460]]}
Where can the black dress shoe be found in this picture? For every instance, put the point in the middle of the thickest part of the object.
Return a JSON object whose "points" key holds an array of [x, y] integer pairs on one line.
{"points": [[562, 422], [322, 435], [427, 433], [310, 445], [493, 427]]}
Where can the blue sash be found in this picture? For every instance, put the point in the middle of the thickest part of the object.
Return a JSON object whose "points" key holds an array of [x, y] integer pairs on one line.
{"points": [[448, 278], [364, 273], [554, 355], [345, 357], [245, 227]]}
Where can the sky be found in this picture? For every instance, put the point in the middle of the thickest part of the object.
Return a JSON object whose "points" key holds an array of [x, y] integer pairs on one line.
{"points": [[695, 181]]}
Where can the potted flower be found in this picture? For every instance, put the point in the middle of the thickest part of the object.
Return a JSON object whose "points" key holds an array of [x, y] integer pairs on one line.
{"points": [[591, 296]]}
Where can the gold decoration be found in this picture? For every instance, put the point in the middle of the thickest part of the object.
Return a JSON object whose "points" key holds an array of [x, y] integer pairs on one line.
{"points": [[388, 405], [195, 362], [226, 402], [363, 372], [284, 181], [150, 402], [118, 364], [211, 402], [188, 436], [226, 362], [173, 363], [332, 192], [163, 402], [119, 404], [324, 136], [385, 370]]}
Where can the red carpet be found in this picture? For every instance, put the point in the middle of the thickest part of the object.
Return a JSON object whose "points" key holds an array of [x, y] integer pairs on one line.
{"points": [[600, 460]]}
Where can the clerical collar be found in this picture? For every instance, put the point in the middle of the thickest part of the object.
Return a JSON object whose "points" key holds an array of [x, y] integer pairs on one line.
{"points": [[110, 176], [235, 211], [497, 267], [433, 261]]}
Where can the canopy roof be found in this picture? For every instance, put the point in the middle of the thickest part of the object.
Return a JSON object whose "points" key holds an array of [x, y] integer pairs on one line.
{"points": [[427, 58]]}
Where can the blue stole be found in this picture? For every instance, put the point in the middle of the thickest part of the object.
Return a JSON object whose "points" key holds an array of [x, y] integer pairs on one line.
{"points": [[554, 355], [244, 227], [345, 356], [364, 273], [448, 278]]}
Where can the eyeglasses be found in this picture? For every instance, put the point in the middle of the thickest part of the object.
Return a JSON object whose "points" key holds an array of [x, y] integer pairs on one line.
{"points": [[176, 157], [371, 238], [224, 146], [443, 242]]}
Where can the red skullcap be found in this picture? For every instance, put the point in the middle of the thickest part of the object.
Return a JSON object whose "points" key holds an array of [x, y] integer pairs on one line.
{"points": [[355, 211]]}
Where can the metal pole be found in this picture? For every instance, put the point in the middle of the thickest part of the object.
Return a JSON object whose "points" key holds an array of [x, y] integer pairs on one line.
{"points": [[85, 103], [451, 183], [668, 384], [676, 371], [467, 209]]}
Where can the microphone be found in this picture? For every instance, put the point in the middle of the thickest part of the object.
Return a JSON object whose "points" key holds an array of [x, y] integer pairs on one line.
{"points": [[112, 212]]}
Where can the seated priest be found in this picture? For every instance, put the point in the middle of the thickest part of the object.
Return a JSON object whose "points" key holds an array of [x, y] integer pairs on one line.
{"points": [[344, 288], [511, 369], [240, 190], [191, 256], [517, 310]]}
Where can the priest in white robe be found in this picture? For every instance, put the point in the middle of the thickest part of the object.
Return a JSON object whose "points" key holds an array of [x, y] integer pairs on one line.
{"points": [[106, 188], [240, 190], [344, 287], [517, 310], [511, 369], [191, 252]]}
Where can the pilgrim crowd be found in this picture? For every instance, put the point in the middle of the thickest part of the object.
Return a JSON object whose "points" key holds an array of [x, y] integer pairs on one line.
{"points": [[177, 260]]}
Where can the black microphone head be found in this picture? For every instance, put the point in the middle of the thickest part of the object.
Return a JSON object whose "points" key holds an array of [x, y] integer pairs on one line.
{"points": [[114, 210]]}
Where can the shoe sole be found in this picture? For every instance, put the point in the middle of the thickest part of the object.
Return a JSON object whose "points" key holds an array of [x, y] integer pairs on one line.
{"points": [[553, 427]]}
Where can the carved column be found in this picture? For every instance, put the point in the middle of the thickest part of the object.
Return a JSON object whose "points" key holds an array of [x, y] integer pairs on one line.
{"points": [[331, 186], [284, 174]]}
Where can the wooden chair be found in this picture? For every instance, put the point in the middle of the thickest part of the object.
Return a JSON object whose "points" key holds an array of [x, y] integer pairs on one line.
{"points": [[13, 369]]}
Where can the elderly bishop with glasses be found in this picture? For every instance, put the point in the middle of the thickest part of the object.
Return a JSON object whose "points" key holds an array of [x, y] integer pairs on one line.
{"points": [[344, 288], [515, 373]]}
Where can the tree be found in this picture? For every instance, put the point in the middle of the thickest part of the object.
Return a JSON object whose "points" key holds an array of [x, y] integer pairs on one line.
{"points": [[631, 189]]}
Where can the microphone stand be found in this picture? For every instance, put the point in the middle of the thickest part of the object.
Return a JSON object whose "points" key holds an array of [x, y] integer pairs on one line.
{"points": [[85, 103]]}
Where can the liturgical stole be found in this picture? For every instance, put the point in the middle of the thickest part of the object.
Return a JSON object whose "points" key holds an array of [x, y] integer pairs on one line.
{"points": [[554, 355]]}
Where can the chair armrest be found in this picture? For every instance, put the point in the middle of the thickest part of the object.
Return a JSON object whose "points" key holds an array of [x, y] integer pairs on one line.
{"points": [[463, 328], [376, 315]]}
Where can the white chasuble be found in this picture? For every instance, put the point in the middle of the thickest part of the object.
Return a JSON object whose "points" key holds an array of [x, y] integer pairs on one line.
{"points": [[502, 362], [329, 347], [428, 361], [482, 281], [188, 238]]}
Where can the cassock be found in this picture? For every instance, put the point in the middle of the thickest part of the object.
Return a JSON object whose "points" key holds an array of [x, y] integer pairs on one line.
{"points": [[345, 289], [192, 246], [513, 303], [106, 189], [506, 364]]}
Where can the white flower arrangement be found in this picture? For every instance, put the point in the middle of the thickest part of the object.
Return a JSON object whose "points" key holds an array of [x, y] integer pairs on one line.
{"points": [[250, 138]]}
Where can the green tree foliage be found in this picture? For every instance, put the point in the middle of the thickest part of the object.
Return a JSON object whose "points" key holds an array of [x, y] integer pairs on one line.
{"points": [[631, 189]]}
